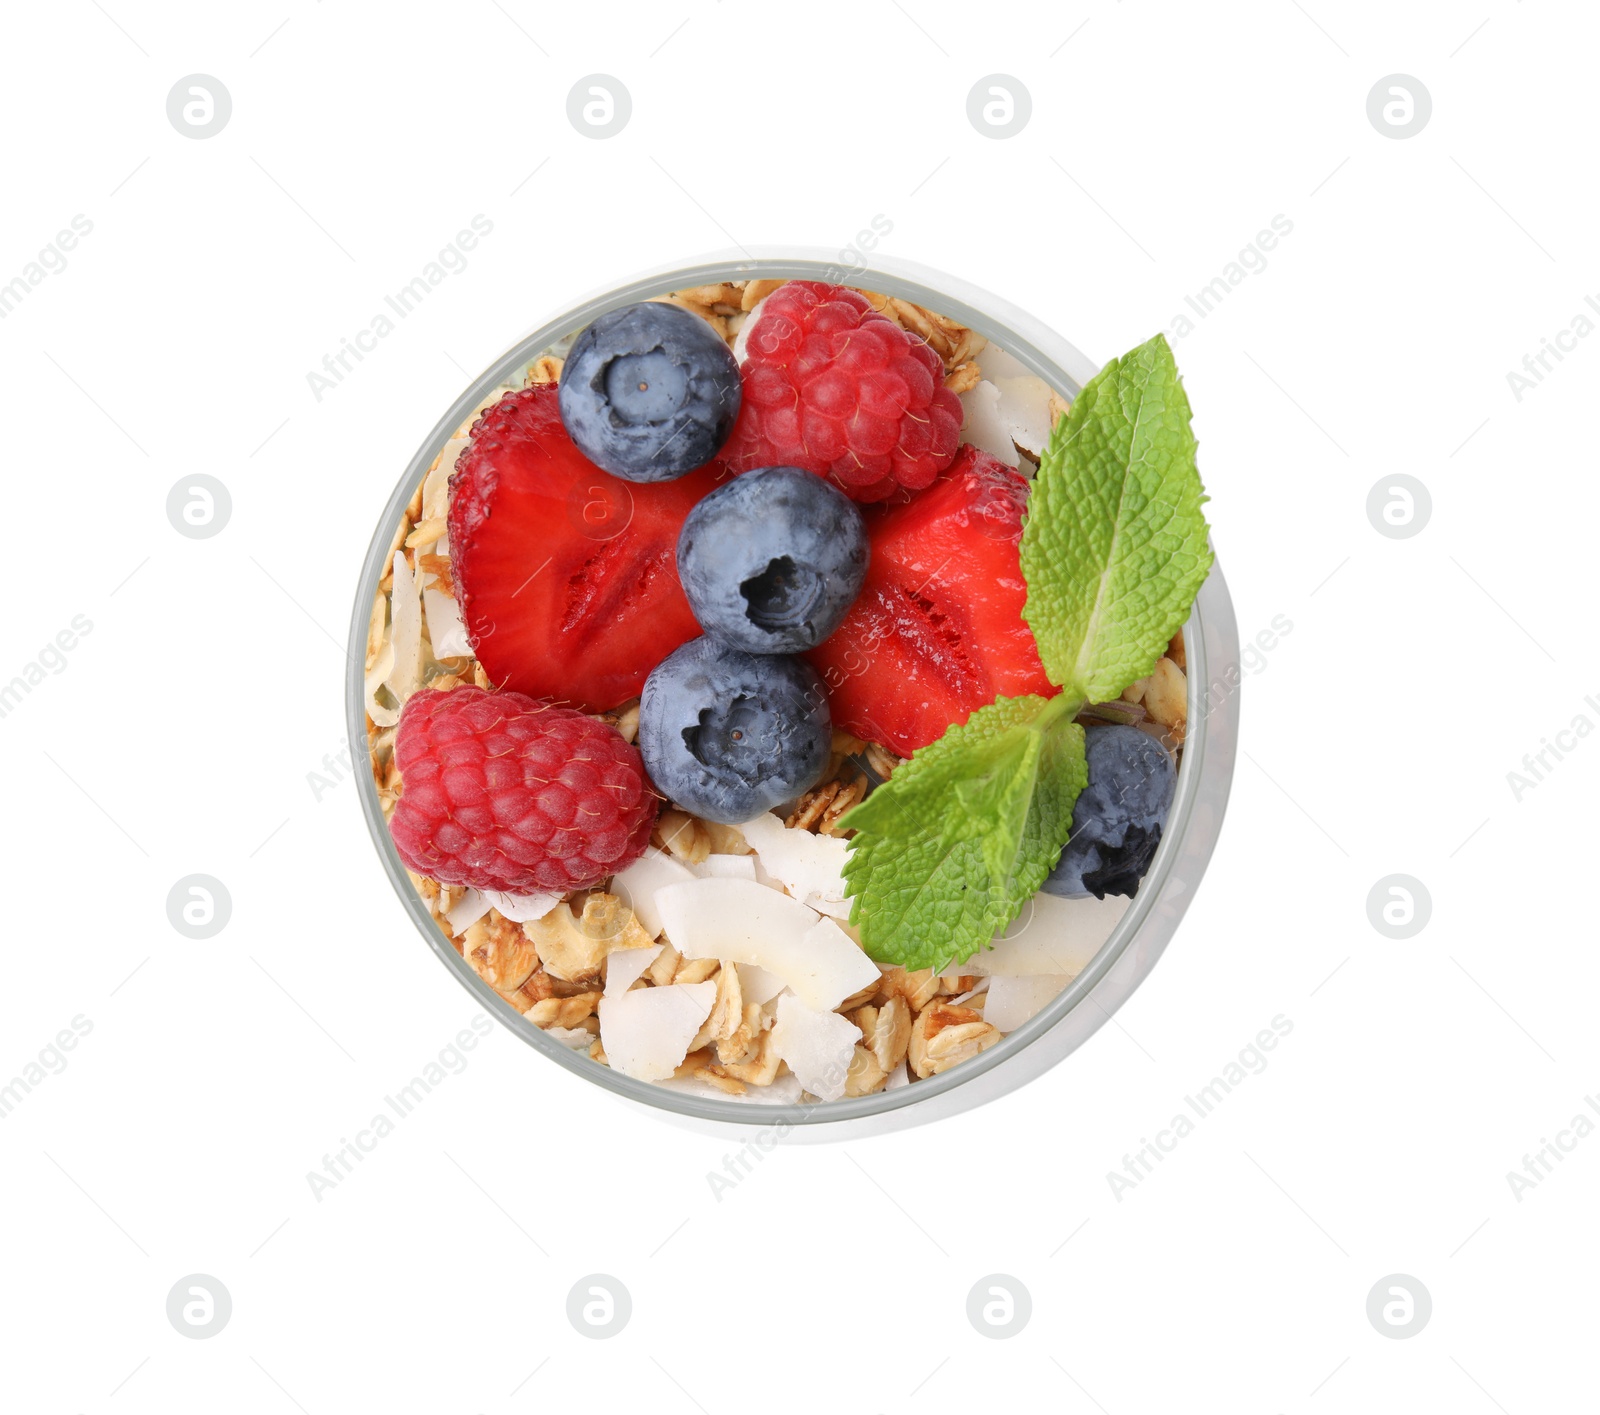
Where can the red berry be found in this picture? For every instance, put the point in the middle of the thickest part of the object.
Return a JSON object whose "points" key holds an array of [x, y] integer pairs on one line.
{"points": [[499, 791], [937, 630], [835, 387], [567, 575]]}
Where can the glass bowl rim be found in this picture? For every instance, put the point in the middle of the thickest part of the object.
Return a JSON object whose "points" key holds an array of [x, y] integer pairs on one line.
{"points": [[1041, 351]]}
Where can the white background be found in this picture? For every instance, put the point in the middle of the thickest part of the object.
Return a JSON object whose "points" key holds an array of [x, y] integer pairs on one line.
{"points": [[180, 735]]}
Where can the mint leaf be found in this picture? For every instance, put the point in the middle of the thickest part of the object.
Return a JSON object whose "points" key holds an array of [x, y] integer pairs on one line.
{"points": [[1114, 549], [1063, 773], [949, 849]]}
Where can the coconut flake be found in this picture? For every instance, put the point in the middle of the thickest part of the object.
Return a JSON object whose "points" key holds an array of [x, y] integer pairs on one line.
{"points": [[523, 908], [405, 613], [1052, 935], [1012, 1001], [574, 1037], [833, 908], [1024, 403], [983, 425], [806, 864], [436, 487], [638, 885], [726, 867], [382, 667], [626, 966], [467, 910], [897, 1078], [965, 998], [741, 341], [447, 631], [738, 921], [756, 984], [816, 1045], [646, 1033]]}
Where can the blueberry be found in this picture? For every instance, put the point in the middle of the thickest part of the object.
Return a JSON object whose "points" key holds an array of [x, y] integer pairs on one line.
{"points": [[649, 392], [1117, 819], [727, 734], [772, 560]]}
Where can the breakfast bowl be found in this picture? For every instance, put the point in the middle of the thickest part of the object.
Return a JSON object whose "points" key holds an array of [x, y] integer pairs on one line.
{"points": [[745, 945]]}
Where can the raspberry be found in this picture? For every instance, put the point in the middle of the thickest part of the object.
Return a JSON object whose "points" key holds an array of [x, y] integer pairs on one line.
{"points": [[500, 791], [835, 387]]}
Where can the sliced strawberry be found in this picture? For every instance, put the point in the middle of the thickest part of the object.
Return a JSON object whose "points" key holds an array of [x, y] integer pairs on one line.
{"points": [[937, 630], [567, 575]]}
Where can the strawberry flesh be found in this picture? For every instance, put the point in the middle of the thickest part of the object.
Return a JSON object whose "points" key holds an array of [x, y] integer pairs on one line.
{"points": [[567, 576], [937, 631]]}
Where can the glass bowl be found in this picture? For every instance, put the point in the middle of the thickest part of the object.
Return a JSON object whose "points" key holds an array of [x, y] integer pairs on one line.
{"points": [[1211, 643]]}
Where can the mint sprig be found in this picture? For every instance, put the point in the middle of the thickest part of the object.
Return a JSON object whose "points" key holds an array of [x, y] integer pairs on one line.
{"points": [[1115, 549], [949, 850]]}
